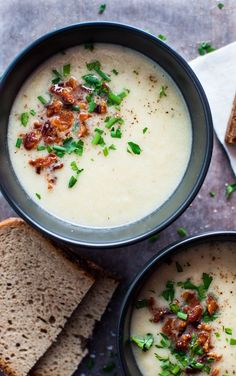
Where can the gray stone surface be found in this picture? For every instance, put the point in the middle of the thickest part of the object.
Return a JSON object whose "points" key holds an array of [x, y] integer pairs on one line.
{"points": [[185, 23]]}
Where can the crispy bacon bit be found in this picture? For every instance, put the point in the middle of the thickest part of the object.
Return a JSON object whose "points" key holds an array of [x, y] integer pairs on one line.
{"points": [[195, 313], [54, 108], [101, 108], [174, 327], [31, 140], [183, 342], [84, 116], [214, 356], [64, 93], [204, 340], [215, 372], [83, 130], [83, 105], [51, 181], [158, 313], [72, 82], [37, 125], [212, 305], [204, 326], [50, 133], [190, 298], [43, 162], [63, 121]]}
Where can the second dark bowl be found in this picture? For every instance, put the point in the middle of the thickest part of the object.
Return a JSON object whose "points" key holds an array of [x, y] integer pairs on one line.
{"points": [[194, 96]]}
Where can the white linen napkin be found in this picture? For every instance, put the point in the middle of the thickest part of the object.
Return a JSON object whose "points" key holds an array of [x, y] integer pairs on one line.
{"points": [[217, 74]]}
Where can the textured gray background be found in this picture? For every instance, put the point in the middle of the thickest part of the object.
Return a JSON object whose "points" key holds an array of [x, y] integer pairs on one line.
{"points": [[185, 24]]}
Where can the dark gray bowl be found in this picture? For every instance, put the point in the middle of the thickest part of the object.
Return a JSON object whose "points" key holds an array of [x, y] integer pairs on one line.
{"points": [[126, 357], [188, 84]]}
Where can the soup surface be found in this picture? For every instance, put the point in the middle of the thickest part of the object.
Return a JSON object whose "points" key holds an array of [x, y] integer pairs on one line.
{"points": [[186, 314], [99, 135]]}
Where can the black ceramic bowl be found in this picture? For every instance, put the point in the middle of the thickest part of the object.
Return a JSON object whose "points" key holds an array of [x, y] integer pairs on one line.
{"points": [[188, 84], [127, 360]]}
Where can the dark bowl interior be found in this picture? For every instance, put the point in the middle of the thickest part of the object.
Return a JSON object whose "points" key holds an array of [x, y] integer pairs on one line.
{"points": [[127, 360], [188, 84]]}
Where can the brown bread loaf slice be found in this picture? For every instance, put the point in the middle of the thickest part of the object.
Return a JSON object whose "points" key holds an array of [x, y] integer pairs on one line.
{"points": [[65, 355], [230, 136], [40, 288]]}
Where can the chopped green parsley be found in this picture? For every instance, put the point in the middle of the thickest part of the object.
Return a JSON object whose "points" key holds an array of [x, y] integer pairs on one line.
{"points": [[115, 72], [42, 100], [143, 342], [182, 232], [134, 148], [205, 48], [102, 8], [18, 142], [24, 118], [163, 91], [145, 130], [220, 5], [66, 70], [162, 37], [230, 188], [38, 196]]}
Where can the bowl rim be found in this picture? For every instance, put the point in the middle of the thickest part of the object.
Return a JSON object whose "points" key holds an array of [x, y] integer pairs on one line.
{"points": [[136, 283], [209, 133]]}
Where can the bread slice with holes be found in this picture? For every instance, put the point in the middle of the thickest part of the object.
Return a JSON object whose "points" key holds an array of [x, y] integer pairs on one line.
{"points": [[64, 356], [40, 288]]}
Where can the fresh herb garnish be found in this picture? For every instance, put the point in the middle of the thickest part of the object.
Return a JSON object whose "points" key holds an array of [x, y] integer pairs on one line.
{"points": [[164, 343], [232, 341], [230, 188], [178, 267], [57, 77], [154, 238], [92, 106], [18, 142], [114, 98], [205, 48], [115, 72], [220, 5], [207, 279], [145, 342], [206, 317], [217, 335], [91, 79], [212, 193], [145, 130], [89, 46], [101, 8], [73, 179], [38, 196], [174, 308], [70, 146], [109, 367], [66, 70], [134, 148], [181, 231], [228, 331], [112, 147], [182, 315], [32, 112], [105, 151], [162, 37], [42, 100], [96, 66], [169, 293], [41, 147], [24, 118], [163, 91], [75, 108], [111, 121], [97, 139], [116, 133]]}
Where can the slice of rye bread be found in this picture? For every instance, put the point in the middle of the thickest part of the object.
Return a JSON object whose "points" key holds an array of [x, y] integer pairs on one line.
{"points": [[40, 288], [65, 355]]}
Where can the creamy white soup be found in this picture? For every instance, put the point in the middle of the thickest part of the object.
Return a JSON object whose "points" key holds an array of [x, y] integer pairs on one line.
{"points": [[99, 135], [184, 320]]}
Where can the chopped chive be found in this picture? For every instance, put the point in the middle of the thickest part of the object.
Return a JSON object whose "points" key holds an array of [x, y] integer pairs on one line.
{"points": [[91, 79], [41, 147], [32, 112], [163, 91], [115, 99], [154, 238], [228, 331], [143, 342], [42, 100], [24, 118], [97, 139], [59, 148], [72, 181], [178, 267], [217, 335], [230, 188], [92, 106], [18, 142], [182, 232], [89, 46], [115, 72], [212, 193], [220, 5], [205, 48], [99, 130], [58, 77], [66, 70], [182, 315], [38, 196], [101, 8], [232, 341], [134, 148], [96, 66], [162, 37], [116, 133], [145, 130], [112, 147], [75, 108], [123, 94], [111, 121], [105, 151], [174, 308], [49, 149]]}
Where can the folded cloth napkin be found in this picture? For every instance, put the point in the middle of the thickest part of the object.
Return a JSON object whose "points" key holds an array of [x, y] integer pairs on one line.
{"points": [[217, 74]]}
